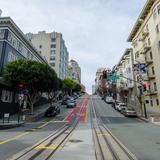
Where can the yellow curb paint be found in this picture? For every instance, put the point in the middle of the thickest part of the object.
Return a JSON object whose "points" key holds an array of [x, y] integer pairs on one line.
{"points": [[43, 125], [14, 138], [86, 115], [103, 134], [51, 147]]}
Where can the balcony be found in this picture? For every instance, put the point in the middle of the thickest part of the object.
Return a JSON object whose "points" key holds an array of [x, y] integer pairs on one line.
{"points": [[148, 60], [145, 33], [150, 77], [147, 47], [150, 92]]}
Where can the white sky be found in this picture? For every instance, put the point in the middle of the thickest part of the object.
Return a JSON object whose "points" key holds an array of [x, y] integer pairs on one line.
{"points": [[95, 31]]}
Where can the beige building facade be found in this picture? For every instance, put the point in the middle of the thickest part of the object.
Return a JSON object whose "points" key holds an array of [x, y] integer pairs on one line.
{"points": [[74, 71], [52, 46], [125, 84], [145, 38]]}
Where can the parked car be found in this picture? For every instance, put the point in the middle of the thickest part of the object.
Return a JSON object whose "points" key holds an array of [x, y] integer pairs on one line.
{"points": [[52, 111], [64, 102], [109, 99], [115, 103], [71, 103], [129, 112], [120, 106]]}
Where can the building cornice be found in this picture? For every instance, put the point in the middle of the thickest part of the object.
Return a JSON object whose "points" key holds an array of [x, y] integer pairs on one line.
{"points": [[145, 11], [127, 51]]}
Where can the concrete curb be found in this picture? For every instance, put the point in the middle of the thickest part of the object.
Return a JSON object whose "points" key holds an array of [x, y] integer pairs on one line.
{"points": [[143, 119], [10, 125]]}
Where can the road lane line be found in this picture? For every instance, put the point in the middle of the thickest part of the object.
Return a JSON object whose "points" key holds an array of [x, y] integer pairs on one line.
{"points": [[103, 134], [14, 138], [51, 147]]}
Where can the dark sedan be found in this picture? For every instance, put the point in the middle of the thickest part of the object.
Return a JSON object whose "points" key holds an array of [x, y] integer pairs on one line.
{"points": [[52, 111]]}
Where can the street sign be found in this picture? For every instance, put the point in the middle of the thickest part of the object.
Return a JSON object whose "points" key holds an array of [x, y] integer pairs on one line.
{"points": [[6, 115], [113, 77]]}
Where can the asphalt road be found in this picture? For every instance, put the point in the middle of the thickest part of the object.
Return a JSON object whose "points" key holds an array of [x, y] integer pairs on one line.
{"points": [[14, 140], [141, 138]]}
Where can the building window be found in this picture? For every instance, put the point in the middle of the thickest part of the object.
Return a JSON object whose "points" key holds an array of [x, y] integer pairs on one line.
{"points": [[53, 52], [158, 9], [19, 46], [153, 72], [151, 103], [52, 64], [40, 46], [52, 58], [2, 31], [12, 57], [151, 55], [157, 28], [53, 45], [155, 12], [159, 44], [155, 86], [53, 39], [6, 96], [149, 41], [157, 101]]}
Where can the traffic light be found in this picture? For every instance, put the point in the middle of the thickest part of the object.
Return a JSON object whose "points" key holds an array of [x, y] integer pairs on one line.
{"points": [[21, 87], [144, 87], [104, 74]]}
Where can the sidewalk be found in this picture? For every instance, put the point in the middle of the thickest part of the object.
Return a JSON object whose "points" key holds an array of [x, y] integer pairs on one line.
{"points": [[13, 120]]}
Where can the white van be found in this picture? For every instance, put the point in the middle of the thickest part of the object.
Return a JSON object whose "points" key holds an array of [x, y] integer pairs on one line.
{"points": [[109, 99]]}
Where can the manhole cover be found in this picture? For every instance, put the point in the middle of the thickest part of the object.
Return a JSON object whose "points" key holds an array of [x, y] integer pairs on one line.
{"points": [[75, 140]]}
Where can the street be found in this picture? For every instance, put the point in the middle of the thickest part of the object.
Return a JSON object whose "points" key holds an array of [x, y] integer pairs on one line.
{"points": [[140, 138]]}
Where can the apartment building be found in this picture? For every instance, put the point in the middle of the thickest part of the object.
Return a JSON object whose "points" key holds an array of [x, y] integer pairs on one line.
{"points": [[125, 84], [145, 38], [99, 73], [74, 71], [52, 46], [13, 46]]}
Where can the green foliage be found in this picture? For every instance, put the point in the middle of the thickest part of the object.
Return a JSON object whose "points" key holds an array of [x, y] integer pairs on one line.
{"points": [[34, 75], [77, 88], [70, 86]]}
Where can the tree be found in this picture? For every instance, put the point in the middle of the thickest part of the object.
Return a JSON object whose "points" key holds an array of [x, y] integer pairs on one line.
{"points": [[77, 88], [70, 86], [36, 77]]}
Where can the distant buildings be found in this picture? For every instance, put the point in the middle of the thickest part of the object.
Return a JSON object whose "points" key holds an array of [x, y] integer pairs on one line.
{"points": [[100, 85], [74, 71], [125, 69], [52, 46]]}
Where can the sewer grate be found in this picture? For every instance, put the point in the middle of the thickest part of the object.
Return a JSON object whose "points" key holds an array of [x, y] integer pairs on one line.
{"points": [[75, 140]]}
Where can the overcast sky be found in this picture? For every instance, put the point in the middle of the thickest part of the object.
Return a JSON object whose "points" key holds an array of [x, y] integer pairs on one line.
{"points": [[95, 31]]}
